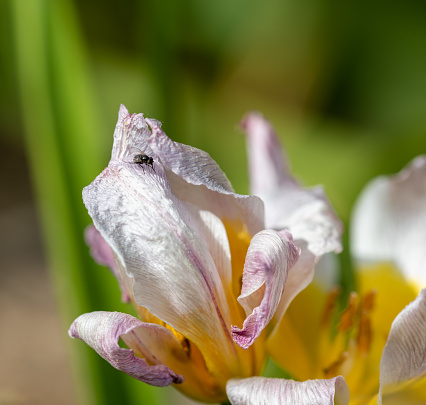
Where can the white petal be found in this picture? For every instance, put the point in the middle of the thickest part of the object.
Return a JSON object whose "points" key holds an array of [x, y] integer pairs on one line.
{"points": [[213, 234], [389, 221], [275, 391], [307, 213], [130, 135], [404, 356], [327, 272], [174, 275], [195, 177], [269, 257], [268, 165], [193, 165], [102, 330], [299, 277]]}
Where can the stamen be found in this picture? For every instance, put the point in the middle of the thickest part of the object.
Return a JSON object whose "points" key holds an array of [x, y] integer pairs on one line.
{"points": [[365, 330], [364, 333], [186, 344], [368, 301], [347, 319], [333, 369], [330, 305]]}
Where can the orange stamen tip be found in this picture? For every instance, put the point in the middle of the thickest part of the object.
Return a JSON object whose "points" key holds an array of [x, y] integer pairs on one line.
{"points": [[347, 319], [365, 333], [368, 301], [330, 305]]}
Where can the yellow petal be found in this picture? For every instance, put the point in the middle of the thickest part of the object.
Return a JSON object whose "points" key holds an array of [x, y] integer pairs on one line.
{"points": [[393, 294]]}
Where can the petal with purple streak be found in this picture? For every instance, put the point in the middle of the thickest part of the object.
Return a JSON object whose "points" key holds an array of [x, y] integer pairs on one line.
{"points": [[404, 356], [270, 256], [102, 331], [275, 391], [268, 166], [152, 234], [389, 221], [307, 213], [195, 177]]}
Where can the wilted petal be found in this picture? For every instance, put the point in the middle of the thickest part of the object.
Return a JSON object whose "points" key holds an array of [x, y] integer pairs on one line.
{"points": [[213, 234], [102, 331], [270, 256], [102, 253], [299, 277], [195, 177], [389, 221], [275, 391], [307, 213], [404, 356], [174, 275], [130, 135], [193, 165], [268, 165]]}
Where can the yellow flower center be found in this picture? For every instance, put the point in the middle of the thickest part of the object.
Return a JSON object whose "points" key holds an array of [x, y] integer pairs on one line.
{"points": [[317, 339]]}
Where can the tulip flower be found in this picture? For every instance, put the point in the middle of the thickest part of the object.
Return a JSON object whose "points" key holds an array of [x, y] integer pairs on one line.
{"points": [[378, 342], [209, 273]]}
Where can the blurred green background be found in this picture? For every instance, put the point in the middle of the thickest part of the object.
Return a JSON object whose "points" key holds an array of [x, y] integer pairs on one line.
{"points": [[344, 84]]}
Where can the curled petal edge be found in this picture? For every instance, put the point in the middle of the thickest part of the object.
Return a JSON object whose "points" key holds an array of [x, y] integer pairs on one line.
{"points": [[270, 256], [404, 356], [187, 168], [276, 391], [102, 331]]}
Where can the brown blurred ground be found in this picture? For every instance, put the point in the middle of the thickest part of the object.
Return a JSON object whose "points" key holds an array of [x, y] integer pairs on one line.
{"points": [[33, 365]]}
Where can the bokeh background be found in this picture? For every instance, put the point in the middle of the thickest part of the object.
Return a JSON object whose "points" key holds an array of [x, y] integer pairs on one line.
{"points": [[344, 84]]}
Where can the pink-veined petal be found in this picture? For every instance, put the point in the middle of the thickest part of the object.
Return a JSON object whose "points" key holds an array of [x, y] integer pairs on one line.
{"points": [[270, 256], [404, 356], [195, 177], [268, 165], [276, 391], [307, 213], [150, 232], [389, 221], [102, 331], [102, 253], [191, 164]]}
